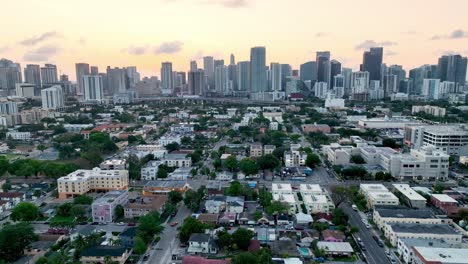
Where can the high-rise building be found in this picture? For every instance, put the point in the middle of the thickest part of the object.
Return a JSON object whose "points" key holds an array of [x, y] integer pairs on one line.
{"points": [[347, 73], [167, 78], [456, 69], [424, 72], [94, 70], [275, 77], [49, 74], [52, 98], [360, 82], [218, 63], [93, 90], [133, 76], [258, 78], [221, 79], [193, 66], [323, 66], [286, 72], [390, 84], [372, 61], [8, 107], [309, 71], [81, 70], [232, 76], [10, 75], [26, 90], [232, 60], [208, 68], [335, 69], [339, 85], [32, 75], [196, 82], [321, 89], [117, 80], [430, 89], [243, 76], [407, 86]]}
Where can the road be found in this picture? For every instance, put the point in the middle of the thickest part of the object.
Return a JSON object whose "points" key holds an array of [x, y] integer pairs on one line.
{"points": [[162, 251], [373, 253]]}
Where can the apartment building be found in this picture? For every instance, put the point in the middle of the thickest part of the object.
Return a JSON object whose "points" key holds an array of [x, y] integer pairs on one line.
{"points": [[384, 216], [80, 182], [430, 255], [445, 203], [377, 195], [268, 149], [409, 196], [103, 208], [446, 138], [316, 199], [294, 158], [113, 164], [428, 231], [23, 136], [406, 247], [256, 150], [144, 205], [283, 192], [429, 109], [177, 160], [150, 170]]}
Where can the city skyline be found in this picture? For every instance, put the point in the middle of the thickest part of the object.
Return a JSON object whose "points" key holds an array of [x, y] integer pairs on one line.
{"points": [[149, 38]]}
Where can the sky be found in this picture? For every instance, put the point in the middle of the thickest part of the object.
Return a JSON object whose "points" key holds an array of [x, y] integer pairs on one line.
{"points": [[144, 33]]}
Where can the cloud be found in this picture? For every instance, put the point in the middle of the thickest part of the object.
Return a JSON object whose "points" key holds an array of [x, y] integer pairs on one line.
{"points": [[321, 34], [136, 50], [82, 41], [389, 53], [372, 43], [4, 49], [456, 34], [40, 38], [41, 54], [169, 47], [198, 56]]}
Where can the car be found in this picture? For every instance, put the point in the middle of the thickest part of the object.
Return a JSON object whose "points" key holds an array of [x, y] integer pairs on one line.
{"points": [[375, 238], [392, 260], [120, 224], [145, 257], [174, 224], [380, 243], [94, 223], [298, 227], [368, 226], [359, 239], [131, 224]]}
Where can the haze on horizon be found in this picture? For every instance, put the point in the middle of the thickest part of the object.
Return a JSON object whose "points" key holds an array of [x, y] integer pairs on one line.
{"points": [[145, 33]]}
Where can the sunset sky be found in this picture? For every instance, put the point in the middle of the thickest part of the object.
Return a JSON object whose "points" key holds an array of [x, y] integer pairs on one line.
{"points": [[146, 32]]}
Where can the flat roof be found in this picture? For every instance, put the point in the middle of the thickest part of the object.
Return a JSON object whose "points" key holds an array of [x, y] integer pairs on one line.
{"points": [[382, 195], [407, 191], [442, 255], [443, 229], [422, 242], [335, 246], [165, 184], [284, 197], [314, 198], [281, 187], [405, 213], [444, 198], [311, 188], [373, 187]]}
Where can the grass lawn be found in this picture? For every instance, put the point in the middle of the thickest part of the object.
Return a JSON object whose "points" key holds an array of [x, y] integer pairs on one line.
{"points": [[62, 220]]}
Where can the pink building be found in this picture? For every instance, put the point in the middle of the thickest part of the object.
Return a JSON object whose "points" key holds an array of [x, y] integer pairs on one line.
{"points": [[307, 128], [445, 203]]}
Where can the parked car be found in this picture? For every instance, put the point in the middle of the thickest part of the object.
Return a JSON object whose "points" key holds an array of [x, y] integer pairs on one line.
{"points": [[131, 224], [174, 224]]}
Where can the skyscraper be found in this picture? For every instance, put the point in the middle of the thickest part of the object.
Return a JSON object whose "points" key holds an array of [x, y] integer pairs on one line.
{"points": [[81, 70], [335, 69], [196, 82], [232, 60], [32, 75], [339, 85], [323, 66], [208, 68], [286, 72], [133, 76], [193, 66], [52, 98], [10, 75], [275, 77], [346, 72], [49, 74], [430, 89], [167, 79], [456, 69], [308, 71], [93, 90], [424, 72], [94, 70], [359, 82], [258, 78], [117, 80], [243, 76], [221, 79], [390, 84], [372, 61]]}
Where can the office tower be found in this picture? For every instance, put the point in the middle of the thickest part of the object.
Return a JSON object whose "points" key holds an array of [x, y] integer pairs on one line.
{"points": [[232, 76], [446, 88], [8, 107], [398, 71], [360, 82], [309, 71], [286, 72], [49, 74], [258, 78], [275, 77], [167, 79], [321, 89], [183, 77], [407, 86], [323, 66], [430, 89], [390, 85], [335, 69], [10, 75], [339, 85], [193, 66], [295, 73], [218, 63], [208, 68], [347, 73], [232, 60], [243, 76], [178, 79], [52, 98], [117, 80], [93, 90], [26, 90], [105, 83], [81, 70], [221, 79], [456, 69], [196, 82], [67, 87], [94, 70], [32, 75], [372, 61], [133, 76], [419, 74]]}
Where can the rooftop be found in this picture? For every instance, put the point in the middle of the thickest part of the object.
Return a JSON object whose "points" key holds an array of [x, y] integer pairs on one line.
{"points": [[165, 184], [444, 198], [281, 187], [315, 188], [109, 197], [344, 247], [102, 251], [423, 229], [96, 172], [373, 188], [407, 191], [405, 213], [199, 237], [442, 255]]}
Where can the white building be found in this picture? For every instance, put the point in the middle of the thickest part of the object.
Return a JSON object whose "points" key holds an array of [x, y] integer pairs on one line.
{"points": [[378, 194], [103, 208], [425, 255], [387, 122], [428, 109], [158, 151], [409, 196], [113, 164], [317, 203], [283, 192], [25, 90], [177, 160], [294, 158], [447, 138], [428, 231], [150, 170], [8, 107], [52, 98], [19, 135], [93, 88], [335, 103], [321, 90], [383, 216], [166, 140], [406, 247], [430, 89]]}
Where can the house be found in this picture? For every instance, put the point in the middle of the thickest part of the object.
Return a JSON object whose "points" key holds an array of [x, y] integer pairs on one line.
{"points": [[284, 219], [128, 237], [307, 237], [201, 244], [266, 235], [266, 220], [333, 236], [445, 203], [99, 254], [215, 205], [143, 205], [302, 218], [103, 208], [336, 248], [284, 247], [235, 204], [201, 260], [245, 218], [13, 197], [227, 219], [209, 219]]}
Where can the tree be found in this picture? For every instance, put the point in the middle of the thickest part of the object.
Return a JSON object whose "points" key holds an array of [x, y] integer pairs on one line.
{"points": [[268, 162], [140, 246], [277, 207], [224, 239], [190, 226], [231, 163], [25, 211], [14, 239], [175, 197], [83, 199], [78, 211], [265, 197], [339, 217], [248, 166], [339, 194], [312, 160], [149, 226], [193, 198], [390, 142], [241, 237], [357, 159], [172, 146], [295, 138], [41, 148], [119, 211]]}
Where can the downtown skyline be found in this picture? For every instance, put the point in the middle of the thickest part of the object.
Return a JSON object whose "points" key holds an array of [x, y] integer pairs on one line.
{"points": [[145, 40]]}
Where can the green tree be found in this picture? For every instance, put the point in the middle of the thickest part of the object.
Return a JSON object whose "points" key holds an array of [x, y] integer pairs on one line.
{"points": [[295, 138], [268, 162], [339, 194], [41, 147], [149, 226], [119, 211], [248, 166], [172, 146], [241, 237], [78, 211], [190, 226], [83, 199], [312, 160], [224, 239], [25, 211], [139, 246], [175, 197], [277, 207], [390, 142], [14, 239], [231, 163], [357, 159]]}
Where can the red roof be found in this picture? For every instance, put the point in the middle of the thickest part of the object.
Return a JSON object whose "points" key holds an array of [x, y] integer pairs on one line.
{"points": [[11, 194], [254, 246], [296, 95], [325, 216], [200, 260]]}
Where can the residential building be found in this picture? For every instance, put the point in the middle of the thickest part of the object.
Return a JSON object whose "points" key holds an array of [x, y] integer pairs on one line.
{"points": [[430, 255], [317, 203], [294, 158], [149, 171], [268, 149], [167, 78], [80, 182], [258, 78], [409, 196], [307, 128], [26, 90], [100, 254], [372, 63], [392, 215], [235, 204], [406, 247], [215, 205], [201, 244], [52, 98], [428, 231], [141, 206], [378, 194], [32, 75], [82, 69], [113, 164], [103, 208], [49, 74], [445, 203], [177, 160], [428, 109], [93, 88], [256, 150], [8, 107], [336, 248], [164, 187], [22, 136], [168, 139]]}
